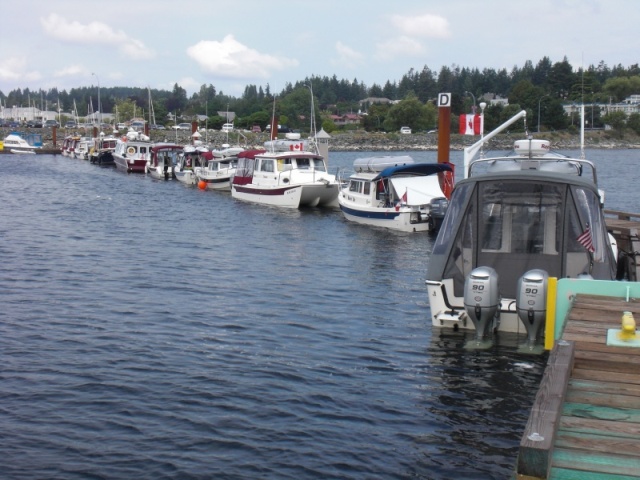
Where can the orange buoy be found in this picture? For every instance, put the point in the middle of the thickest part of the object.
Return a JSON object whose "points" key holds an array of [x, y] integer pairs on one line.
{"points": [[202, 185]]}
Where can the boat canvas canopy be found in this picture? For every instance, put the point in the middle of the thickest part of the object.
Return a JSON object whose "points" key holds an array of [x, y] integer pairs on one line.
{"points": [[419, 190], [516, 224]]}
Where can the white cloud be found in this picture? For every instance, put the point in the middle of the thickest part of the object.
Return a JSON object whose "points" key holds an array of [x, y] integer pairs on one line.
{"points": [[230, 58], [14, 69], [427, 26], [95, 33], [399, 47], [347, 56], [71, 71]]}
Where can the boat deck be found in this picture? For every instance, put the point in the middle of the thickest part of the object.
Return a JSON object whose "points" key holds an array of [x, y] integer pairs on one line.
{"points": [[585, 423]]}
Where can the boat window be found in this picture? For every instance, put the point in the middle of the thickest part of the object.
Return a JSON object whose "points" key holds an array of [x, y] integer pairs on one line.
{"points": [[213, 166], [318, 164], [245, 167], [588, 205], [355, 186], [367, 188], [449, 226], [266, 166], [284, 164], [303, 163]]}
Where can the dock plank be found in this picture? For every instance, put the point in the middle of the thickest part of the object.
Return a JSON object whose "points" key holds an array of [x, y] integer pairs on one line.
{"points": [[598, 432], [571, 465]]}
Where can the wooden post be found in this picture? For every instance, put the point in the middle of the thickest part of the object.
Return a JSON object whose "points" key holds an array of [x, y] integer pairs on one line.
{"points": [[54, 134], [444, 127]]}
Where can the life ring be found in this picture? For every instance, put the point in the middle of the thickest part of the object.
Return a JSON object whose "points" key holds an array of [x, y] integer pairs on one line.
{"points": [[131, 150]]}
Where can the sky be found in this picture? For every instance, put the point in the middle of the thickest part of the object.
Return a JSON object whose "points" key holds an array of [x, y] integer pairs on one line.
{"points": [[232, 44]]}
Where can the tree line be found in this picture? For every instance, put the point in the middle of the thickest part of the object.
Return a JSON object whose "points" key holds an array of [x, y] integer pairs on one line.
{"points": [[540, 89]]}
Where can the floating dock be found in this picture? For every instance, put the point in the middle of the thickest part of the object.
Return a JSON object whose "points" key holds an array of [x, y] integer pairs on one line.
{"points": [[585, 422]]}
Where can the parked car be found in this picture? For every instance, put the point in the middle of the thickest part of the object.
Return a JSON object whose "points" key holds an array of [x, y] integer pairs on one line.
{"points": [[70, 124], [256, 129], [227, 127], [51, 123], [405, 130], [34, 124], [155, 126], [182, 126], [121, 126]]}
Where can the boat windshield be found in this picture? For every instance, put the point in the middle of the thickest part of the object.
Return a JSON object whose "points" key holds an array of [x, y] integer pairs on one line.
{"points": [[516, 226], [318, 165]]}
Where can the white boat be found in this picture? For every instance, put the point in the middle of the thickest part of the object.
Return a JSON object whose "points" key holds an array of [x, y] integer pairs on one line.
{"points": [[290, 178], [83, 147], [132, 152], [162, 159], [512, 223], [395, 192], [218, 172], [18, 144], [192, 159]]}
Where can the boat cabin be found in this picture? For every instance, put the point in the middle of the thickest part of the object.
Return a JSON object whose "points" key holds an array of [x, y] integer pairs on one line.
{"points": [[521, 217], [261, 168]]}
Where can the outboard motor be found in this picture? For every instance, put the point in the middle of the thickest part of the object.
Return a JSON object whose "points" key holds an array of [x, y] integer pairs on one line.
{"points": [[531, 302], [482, 299]]}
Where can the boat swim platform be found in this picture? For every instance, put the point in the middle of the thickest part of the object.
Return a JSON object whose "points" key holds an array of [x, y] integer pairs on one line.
{"points": [[585, 421]]}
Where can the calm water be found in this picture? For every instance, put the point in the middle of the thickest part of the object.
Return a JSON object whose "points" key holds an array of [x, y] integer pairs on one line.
{"points": [[149, 330]]}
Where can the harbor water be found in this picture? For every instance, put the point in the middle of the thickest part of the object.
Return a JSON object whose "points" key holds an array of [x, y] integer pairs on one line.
{"points": [[150, 330]]}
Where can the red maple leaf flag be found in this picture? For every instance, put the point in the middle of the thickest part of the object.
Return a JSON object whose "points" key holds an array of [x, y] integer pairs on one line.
{"points": [[404, 197], [586, 240], [469, 124]]}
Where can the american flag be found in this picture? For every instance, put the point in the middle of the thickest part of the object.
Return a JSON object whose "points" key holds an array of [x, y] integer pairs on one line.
{"points": [[586, 241]]}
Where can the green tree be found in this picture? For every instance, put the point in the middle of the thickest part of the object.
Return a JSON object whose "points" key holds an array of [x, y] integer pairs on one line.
{"points": [[621, 87], [410, 112], [126, 108], [633, 122], [617, 120]]}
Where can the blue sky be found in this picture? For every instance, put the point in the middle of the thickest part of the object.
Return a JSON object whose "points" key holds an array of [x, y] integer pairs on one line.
{"points": [[230, 44]]}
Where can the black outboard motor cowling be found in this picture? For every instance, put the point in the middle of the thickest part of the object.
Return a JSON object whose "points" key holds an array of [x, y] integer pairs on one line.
{"points": [[482, 299]]}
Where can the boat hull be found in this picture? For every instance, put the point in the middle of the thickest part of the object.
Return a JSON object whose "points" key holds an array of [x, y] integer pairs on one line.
{"points": [[125, 165], [187, 177], [295, 196], [404, 219]]}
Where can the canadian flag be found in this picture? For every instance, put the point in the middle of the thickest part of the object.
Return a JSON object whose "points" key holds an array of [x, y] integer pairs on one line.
{"points": [[470, 124], [404, 197]]}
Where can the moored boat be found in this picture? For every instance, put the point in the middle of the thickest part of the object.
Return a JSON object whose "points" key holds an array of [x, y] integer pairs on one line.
{"points": [[16, 143], [192, 159], [512, 223], [132, 152], [291, 177], [219, 170], [83, 147], [162, 159], [102, 151], [395, 192]]}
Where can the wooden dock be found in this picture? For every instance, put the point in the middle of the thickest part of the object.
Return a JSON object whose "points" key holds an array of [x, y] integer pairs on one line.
{"points": [[585, 423]]}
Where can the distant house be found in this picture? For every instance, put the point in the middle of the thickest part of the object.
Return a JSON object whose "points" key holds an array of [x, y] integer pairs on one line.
{"points": [[346, 119], [629, 105], [493, 99], [367, 102]]}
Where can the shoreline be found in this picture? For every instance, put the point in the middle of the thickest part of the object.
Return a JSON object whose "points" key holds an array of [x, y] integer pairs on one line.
{"points": [[360, 140]]}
